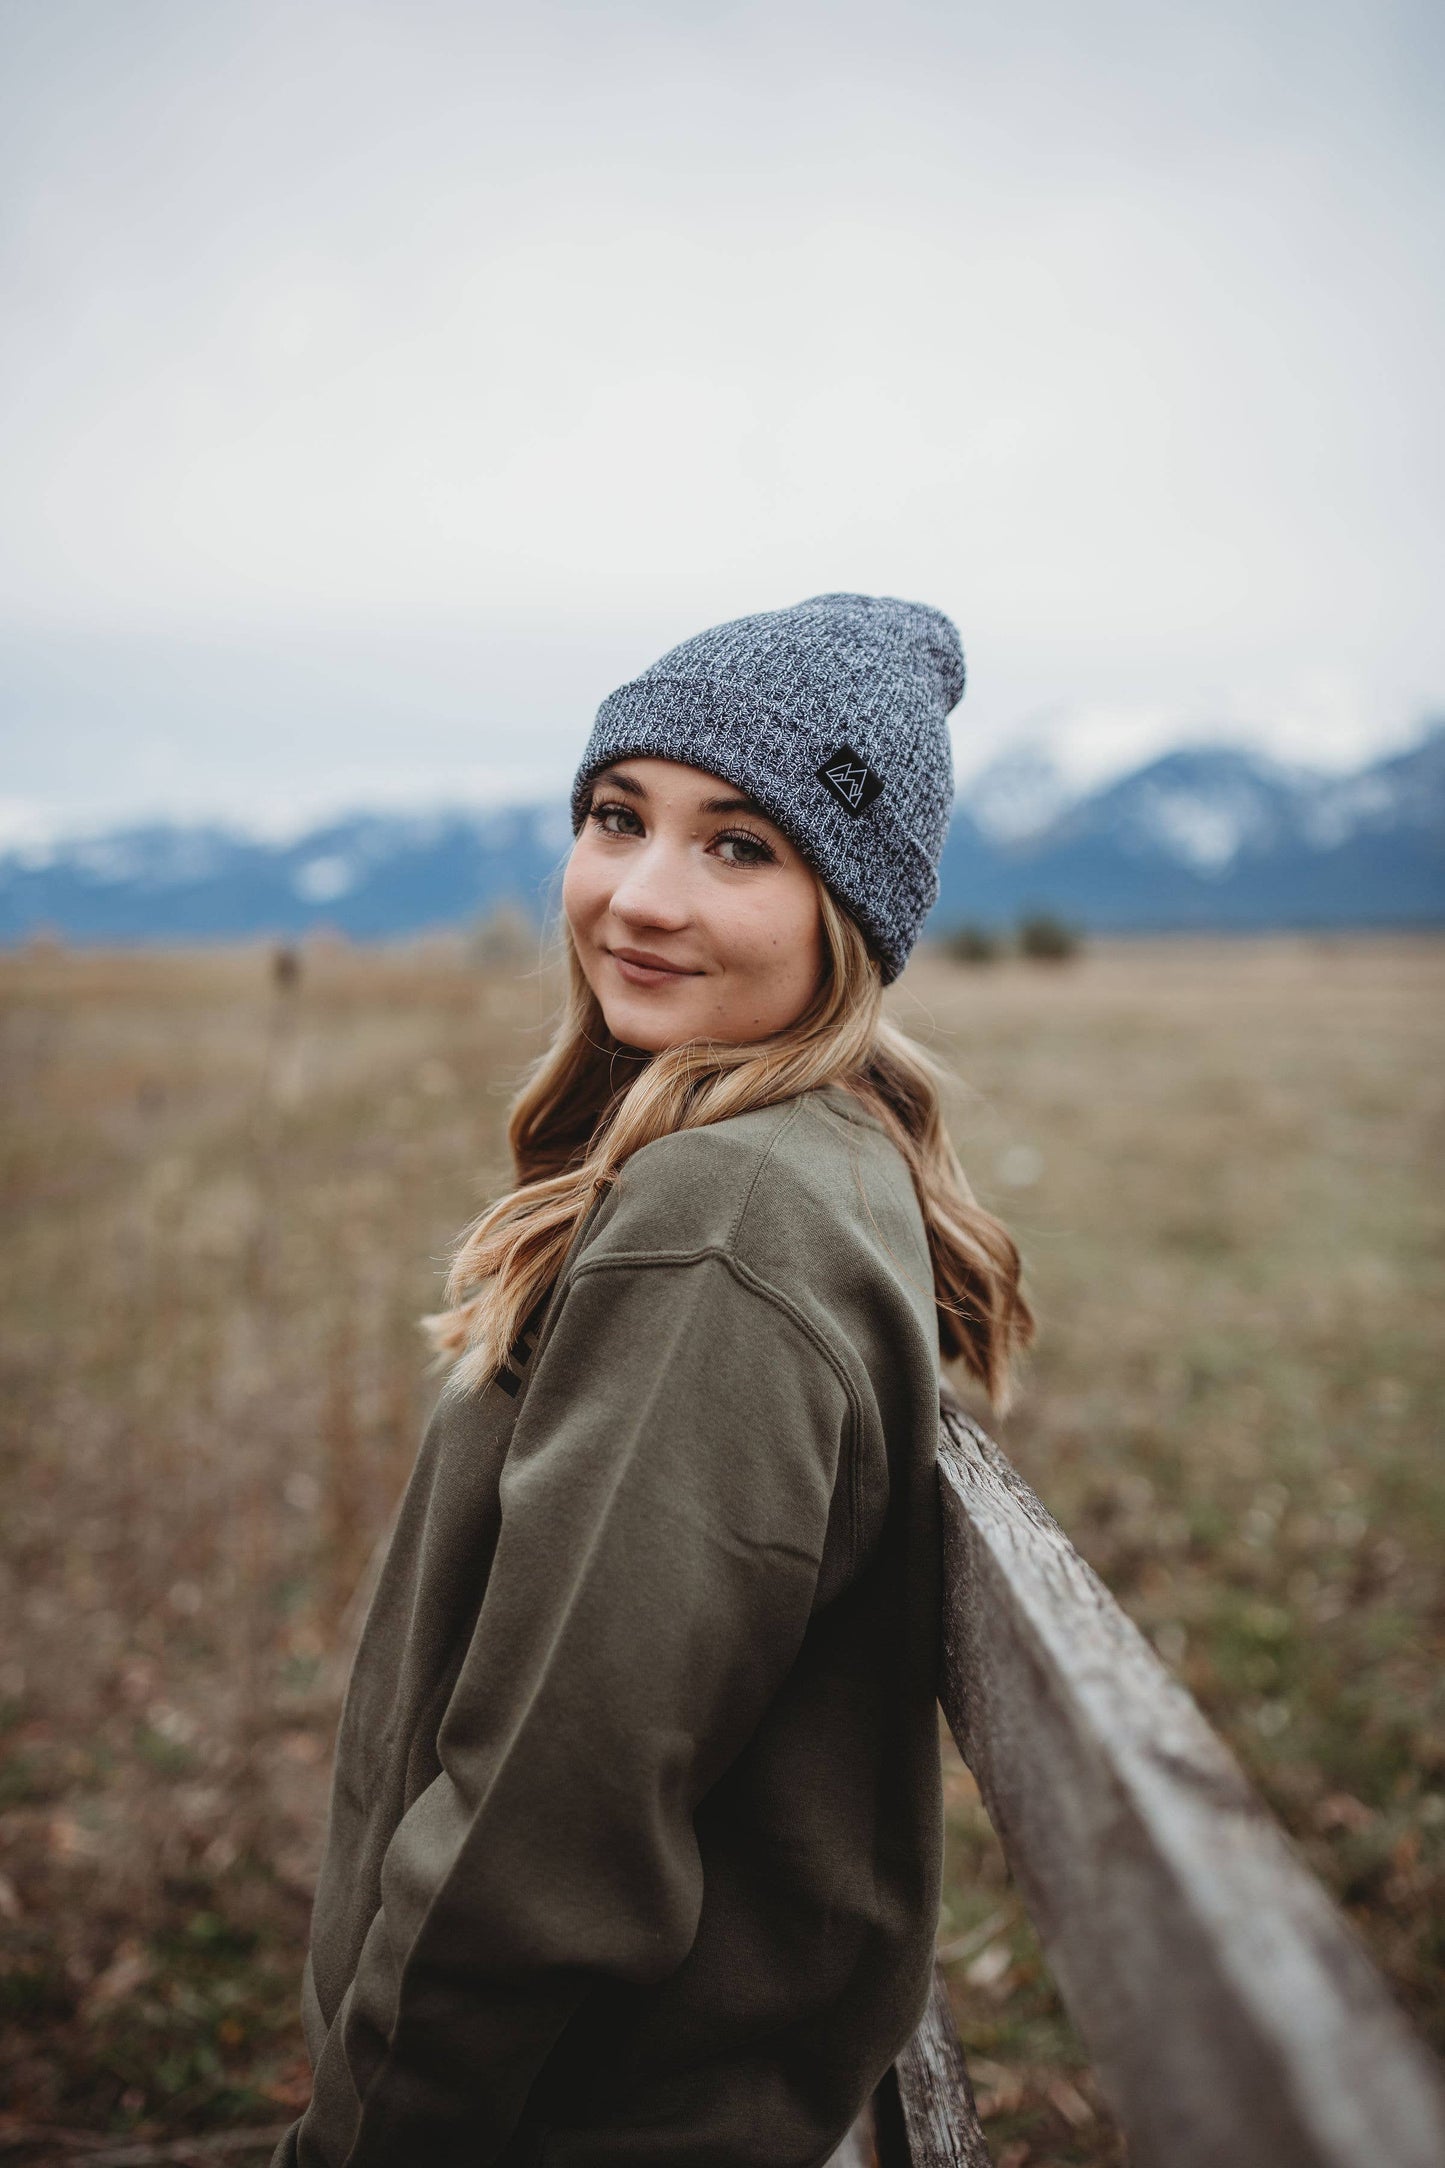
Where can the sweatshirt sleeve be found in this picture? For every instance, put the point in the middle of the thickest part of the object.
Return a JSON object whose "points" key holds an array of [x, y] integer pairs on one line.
{"points": [[665, 1503]]}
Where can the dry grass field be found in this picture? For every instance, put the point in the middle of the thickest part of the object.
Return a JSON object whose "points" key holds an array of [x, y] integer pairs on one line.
{"points": [[227, 1201]]}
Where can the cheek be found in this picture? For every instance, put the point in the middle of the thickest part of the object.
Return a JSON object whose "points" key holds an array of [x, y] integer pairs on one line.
{"points": [[583, 896], [780, 942]]}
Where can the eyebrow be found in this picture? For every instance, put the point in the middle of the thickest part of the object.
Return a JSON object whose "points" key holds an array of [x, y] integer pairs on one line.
{"points": [[731, 805], [635, 789]]}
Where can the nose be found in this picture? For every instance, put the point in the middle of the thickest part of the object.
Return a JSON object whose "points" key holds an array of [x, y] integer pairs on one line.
{"points": [[653, 888]]}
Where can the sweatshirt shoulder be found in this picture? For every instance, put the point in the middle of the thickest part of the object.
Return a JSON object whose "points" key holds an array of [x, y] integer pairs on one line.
{"points": [[793, 1191], [690, 1190]]}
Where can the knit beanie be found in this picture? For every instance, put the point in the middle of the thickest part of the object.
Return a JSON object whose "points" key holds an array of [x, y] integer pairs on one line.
{"points": [[832, 716]]}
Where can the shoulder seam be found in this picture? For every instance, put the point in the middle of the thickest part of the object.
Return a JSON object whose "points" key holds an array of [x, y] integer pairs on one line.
{"points": [[794, 1110], [860, 1120], [775, 1297]]}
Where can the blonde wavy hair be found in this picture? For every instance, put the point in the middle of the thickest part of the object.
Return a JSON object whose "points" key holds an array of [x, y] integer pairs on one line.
{"points": [[589, 1103]]}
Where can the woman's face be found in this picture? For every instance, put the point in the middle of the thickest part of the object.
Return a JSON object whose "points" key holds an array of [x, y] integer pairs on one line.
{"points": [[692, 915]]}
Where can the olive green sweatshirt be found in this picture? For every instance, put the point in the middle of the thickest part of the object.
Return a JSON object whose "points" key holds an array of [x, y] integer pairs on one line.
{"points": [[635, 1828]]}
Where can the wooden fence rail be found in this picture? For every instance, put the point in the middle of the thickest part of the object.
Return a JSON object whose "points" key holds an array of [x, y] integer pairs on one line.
{"points": [[1233, 2015]]}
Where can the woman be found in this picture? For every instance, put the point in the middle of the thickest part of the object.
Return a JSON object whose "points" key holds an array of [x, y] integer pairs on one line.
{"points": [[635, 1830]]}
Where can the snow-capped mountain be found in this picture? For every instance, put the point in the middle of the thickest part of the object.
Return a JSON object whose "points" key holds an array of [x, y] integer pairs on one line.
{"points": [[1405, 794], [370, 876], [1211, 836], [1019, 794], [1202, 837], [1199, 804]]}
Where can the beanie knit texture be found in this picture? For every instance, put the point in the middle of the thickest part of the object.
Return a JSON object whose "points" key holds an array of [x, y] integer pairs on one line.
{"points": [[832, 716]]}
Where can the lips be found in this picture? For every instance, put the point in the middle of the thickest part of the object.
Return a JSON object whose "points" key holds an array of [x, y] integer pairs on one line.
{"points": [[641, 968]]}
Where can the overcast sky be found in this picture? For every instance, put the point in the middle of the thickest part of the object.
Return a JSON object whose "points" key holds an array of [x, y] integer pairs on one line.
{"points": [[382, 382]]}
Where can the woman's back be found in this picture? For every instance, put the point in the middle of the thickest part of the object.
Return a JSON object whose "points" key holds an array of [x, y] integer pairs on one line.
{"points": [[635, 1831]]}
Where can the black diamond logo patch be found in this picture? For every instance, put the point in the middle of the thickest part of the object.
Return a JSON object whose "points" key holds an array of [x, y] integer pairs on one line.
{"points": [[850, 779]]}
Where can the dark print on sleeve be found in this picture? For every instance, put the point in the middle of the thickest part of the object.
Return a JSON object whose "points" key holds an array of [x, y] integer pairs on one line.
{"points": [[519, 1354]]}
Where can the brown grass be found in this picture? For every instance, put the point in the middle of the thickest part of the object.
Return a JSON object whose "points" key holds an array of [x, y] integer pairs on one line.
{"points": [[226, 1203]]}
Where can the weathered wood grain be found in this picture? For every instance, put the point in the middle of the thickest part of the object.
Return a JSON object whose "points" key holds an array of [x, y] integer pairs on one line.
{"points": [[1235, 2019], [939, 2115]]}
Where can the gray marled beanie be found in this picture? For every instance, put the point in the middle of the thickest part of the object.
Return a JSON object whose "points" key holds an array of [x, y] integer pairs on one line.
{"points": [[833, 716]]}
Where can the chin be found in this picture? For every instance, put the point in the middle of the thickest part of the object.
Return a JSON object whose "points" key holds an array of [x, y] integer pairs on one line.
{"points": [[648, 1032]]}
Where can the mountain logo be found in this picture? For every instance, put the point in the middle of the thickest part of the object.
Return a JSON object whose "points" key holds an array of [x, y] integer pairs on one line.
{"points": [[850, 779]]}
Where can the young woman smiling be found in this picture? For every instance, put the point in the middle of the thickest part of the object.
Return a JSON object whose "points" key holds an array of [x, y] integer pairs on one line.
{"points": [[692, 915], [635, 1830]]}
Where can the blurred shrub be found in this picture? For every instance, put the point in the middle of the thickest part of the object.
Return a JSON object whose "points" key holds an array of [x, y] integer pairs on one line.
{"points": [[971, 945], [1046, 938]]}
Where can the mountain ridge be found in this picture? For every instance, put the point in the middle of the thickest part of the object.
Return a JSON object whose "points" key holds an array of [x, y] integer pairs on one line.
{"points": [[1201, 837]]}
